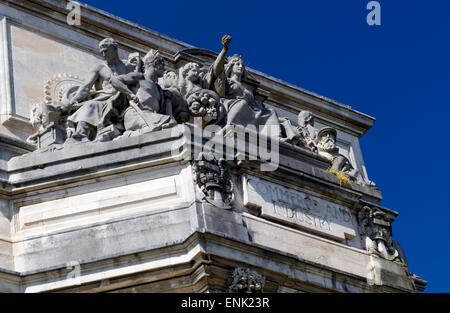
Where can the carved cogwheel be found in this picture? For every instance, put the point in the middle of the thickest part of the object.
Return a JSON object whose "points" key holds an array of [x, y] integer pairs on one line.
{"points": [[59, 87]]}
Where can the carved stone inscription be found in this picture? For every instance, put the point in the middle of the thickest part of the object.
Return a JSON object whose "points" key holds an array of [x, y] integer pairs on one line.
{"points": [[298, 209]]}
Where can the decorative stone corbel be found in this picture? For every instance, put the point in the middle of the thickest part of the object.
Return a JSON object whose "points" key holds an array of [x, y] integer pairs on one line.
{"points": [[245, 280], [375, 226], [213, 180]]}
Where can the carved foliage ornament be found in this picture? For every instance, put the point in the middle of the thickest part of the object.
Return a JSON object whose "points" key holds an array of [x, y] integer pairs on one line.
{"points": [[213, 180], [245, 280], [375, 226]]}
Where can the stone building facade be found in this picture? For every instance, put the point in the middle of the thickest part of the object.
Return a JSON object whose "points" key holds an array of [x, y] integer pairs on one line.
{"points": [[133, 162]]}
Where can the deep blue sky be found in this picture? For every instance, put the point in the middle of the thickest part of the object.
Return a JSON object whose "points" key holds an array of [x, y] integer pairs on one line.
{"points": [[398, 72]]}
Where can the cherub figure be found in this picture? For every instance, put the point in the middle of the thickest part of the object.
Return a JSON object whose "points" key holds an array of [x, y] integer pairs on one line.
{"points": [[202, 90]]}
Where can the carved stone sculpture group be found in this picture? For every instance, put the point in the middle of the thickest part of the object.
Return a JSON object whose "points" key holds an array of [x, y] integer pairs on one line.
{"points": [[136, 96], [123, 98]]}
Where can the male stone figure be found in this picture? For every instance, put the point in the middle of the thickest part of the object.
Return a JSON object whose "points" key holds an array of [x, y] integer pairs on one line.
{"points": [[153, 110], [328, 149], [101, 107], [307, 130], [304, 134]]}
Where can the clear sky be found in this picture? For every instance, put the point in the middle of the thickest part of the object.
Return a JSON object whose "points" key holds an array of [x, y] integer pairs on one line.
{"points": [[398, 72]]}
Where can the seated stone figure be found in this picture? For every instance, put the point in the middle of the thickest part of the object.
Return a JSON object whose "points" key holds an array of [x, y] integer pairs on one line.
{"points": [[328, 149], [94, 110], [241, 106], [304, 134], [150, 111]]}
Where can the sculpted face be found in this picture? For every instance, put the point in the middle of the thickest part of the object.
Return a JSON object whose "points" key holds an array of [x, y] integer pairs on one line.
{"points": [[169, 79], [327, 143], [159, 67], [109, 52], [305, 118], [238, 67], [192, 72]]}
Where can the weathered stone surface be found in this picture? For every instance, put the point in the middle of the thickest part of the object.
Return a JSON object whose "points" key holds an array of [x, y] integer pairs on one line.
{"points": [[299, 209], [41, 216]]}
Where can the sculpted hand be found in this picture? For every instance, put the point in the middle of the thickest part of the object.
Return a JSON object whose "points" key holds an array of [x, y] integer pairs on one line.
{"points": [[134, 98], [226, 40]]}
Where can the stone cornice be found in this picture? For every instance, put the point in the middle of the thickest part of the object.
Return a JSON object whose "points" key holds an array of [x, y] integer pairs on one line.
{"points": [[36, 172]]}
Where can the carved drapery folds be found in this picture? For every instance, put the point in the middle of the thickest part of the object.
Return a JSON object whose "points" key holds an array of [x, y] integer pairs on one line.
{"points": [[245, 280], [375, 227], [213, 180]]}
